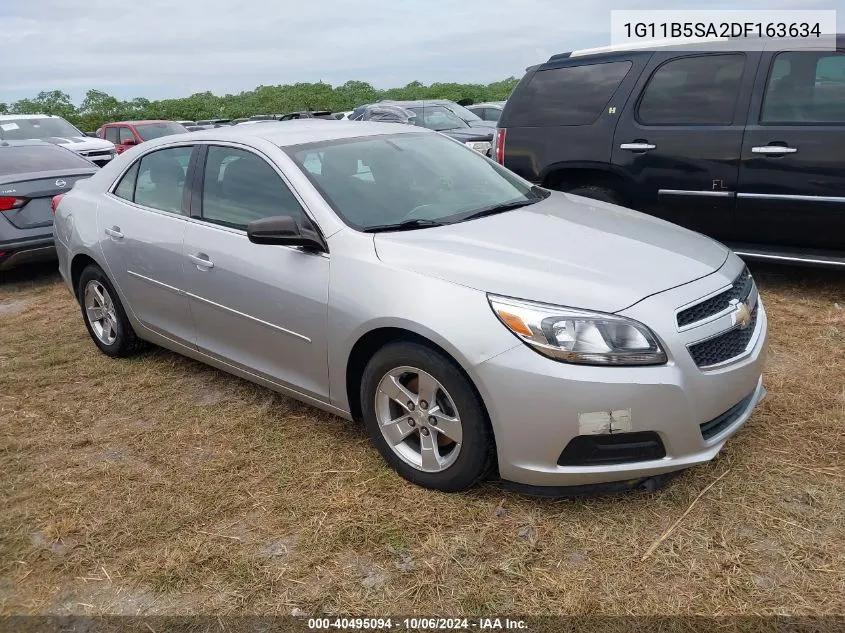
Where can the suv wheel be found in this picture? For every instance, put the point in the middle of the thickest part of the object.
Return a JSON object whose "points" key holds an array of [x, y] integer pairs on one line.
{"points": [[425, 418], [595, 192], [104, 315]]}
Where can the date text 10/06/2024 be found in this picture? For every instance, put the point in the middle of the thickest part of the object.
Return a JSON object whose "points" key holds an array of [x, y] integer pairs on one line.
{"points": [[416, 624]]}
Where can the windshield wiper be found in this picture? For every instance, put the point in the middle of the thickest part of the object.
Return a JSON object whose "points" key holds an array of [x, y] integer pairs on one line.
{"points": [[406, 225], [500, 208]]}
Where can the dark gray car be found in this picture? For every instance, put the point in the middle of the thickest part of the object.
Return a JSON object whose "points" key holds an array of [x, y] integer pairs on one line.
{"points": [[31, 173]]}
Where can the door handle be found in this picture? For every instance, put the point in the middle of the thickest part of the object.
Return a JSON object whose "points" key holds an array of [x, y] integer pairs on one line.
{"points": [[774, 150], [114, 232], [638, 146], [201, 260]]}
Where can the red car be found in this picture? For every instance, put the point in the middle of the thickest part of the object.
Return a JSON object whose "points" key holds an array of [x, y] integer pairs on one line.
{"points": [[125, 134]]}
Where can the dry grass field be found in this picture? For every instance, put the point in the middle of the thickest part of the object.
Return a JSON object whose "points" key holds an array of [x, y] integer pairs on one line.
{"points": [[156, 485]]}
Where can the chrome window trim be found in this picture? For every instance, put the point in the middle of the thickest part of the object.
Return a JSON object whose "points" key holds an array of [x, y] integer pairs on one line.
{"points": [[690, 192], [785, 196]]}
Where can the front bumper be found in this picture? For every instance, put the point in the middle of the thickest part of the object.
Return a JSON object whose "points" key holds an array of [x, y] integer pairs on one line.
{"points": [[538, 406]]}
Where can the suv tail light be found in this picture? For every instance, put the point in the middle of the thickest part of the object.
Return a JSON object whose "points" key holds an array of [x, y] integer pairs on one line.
{"points": [[9, 204], [54, 203], [499, 145]]}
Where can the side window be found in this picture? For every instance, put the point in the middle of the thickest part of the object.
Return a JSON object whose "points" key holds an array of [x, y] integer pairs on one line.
{"points": [[126, 188], [492, 114], [161, 179], [573, 95], [805, 87], [693, 91], [126, 134], [240, 187], [111, 134]]}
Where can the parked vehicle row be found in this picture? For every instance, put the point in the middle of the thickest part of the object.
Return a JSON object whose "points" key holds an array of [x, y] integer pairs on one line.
{"points": [[744, 146]]}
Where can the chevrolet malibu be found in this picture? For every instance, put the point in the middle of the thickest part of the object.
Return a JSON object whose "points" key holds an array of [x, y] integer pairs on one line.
{"points": [[389, 274]]}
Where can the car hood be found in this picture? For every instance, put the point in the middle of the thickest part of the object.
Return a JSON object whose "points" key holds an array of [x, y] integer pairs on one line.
{"points": [[565, 250], [80, 143], [481, 123], [470, 134]]}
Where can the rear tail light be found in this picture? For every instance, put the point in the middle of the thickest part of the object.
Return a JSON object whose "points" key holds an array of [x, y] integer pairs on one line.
{"points": [[10, 204], [499, 145], [54, 203]]}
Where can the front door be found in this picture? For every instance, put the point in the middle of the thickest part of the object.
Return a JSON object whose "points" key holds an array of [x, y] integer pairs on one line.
{"points": [[792, 181], [125, 138], [262, 308], [679, 137], [142, 223]]}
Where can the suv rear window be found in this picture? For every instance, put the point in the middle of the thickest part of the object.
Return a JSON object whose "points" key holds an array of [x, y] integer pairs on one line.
{"points": [[573, 95], [25, 159]]}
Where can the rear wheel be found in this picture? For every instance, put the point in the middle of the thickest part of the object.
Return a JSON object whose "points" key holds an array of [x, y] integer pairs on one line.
{"points": [[596, 192], [425, 418], [104, 315]]}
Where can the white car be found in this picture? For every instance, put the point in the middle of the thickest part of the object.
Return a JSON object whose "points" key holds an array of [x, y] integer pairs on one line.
{"points": [[54, 129]]}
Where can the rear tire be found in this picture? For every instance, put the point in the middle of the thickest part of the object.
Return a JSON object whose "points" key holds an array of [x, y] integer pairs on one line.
{"points": [[104, 316], [595, 192], [441, 441]]}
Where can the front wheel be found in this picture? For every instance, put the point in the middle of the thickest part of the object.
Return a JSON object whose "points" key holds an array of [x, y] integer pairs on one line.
{"points": [[104, 315], [425, 418]]}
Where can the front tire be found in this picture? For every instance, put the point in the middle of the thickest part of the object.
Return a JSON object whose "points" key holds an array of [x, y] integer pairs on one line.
{"points": [[425, 418], [104, 316]]}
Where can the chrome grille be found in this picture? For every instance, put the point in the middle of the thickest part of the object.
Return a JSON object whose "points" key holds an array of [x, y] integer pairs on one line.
{"points": [[740, 289], [725, 346]]}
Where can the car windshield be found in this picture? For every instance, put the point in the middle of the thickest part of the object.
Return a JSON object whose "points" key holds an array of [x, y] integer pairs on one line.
{"points": [[437, 118], [462, 112], [26, 159], [149, 131], [22, 129], [400, 178]]}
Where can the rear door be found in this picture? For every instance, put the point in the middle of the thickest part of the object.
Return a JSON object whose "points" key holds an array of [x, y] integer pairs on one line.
{"points": [[142, 222], [792, 181], [678, 139]]}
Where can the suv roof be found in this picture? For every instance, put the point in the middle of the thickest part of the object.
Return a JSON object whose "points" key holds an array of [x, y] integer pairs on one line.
{"points": [[722, 43]]}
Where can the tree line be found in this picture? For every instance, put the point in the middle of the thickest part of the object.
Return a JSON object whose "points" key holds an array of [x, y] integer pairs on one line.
{"points": [[100, 107]]}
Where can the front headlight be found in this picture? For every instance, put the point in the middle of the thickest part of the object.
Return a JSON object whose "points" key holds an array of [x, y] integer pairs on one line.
{"points": [[579, 336], [479, 146]]}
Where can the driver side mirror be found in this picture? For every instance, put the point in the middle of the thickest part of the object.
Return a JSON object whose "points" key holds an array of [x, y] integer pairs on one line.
{"points": [[282, 230], [129, 141]]}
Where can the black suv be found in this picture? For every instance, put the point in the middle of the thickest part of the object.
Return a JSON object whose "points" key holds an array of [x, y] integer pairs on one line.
{"points": [[743, 146]]}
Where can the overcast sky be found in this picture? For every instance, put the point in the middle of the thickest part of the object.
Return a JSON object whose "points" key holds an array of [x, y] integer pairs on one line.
{"points": [[173, 48]]}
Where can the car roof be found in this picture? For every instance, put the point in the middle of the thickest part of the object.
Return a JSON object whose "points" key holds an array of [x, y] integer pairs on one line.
{"points": [[300, 131], [140, 122], [486, 104], [6, 117], [417, 103], [723, 43]]}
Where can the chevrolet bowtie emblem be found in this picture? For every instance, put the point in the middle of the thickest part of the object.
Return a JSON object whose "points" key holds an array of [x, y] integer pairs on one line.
{"points": [[742, 315]]}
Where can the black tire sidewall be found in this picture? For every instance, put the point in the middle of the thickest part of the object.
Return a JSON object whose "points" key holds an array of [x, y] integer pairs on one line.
{"points": [[124, 343], [475, 459], [601, 194]]}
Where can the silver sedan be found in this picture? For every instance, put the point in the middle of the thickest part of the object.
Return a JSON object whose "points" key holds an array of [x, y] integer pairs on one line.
{"points": [[390, 274]]}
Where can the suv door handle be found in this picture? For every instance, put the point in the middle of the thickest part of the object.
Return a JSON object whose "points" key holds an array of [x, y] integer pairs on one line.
{"points": [[114, 232], [774, 150], [639, 146], [201, 260]]}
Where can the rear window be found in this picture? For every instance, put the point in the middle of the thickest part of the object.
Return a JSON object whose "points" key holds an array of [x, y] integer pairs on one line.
{"points": [[573, 95], [32, 158], [149, 131]]}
